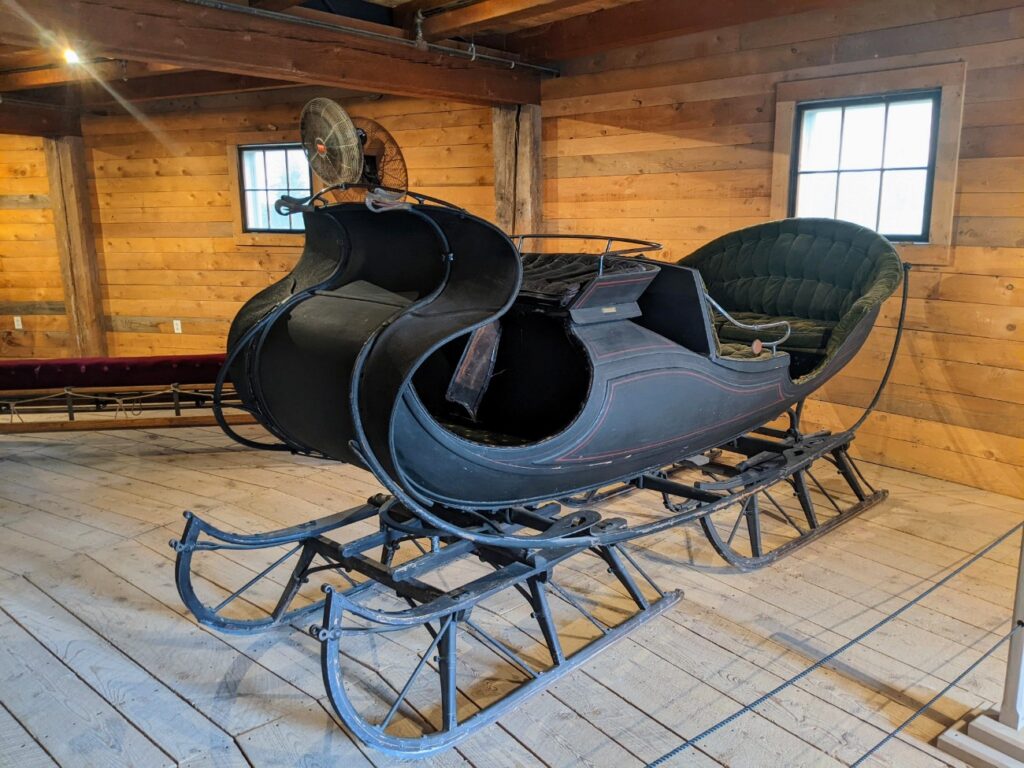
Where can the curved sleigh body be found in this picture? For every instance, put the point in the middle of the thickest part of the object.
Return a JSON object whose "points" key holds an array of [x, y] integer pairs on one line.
{"points": [[506, 397], [411, 344]]}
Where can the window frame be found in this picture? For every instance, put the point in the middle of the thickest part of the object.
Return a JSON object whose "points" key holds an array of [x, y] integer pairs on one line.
{"points": [[234, 141], [948, 78], [934, 94], [281, 146]]}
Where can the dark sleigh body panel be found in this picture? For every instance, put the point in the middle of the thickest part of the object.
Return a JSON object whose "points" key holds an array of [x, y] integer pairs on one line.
{"points": [[339, 372]]}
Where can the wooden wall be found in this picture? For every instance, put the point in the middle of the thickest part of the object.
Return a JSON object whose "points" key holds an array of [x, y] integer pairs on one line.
{"points": [[672, 141], [163, 216], [30, 284]]}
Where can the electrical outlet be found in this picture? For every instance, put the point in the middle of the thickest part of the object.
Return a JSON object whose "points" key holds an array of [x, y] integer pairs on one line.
{"points": [[17, 323], [177, 326]]}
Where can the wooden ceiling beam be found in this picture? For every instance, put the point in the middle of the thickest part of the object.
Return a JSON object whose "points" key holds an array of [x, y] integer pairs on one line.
{"points": [[78, 73], [177, 84], [230, 38], [19, 58], [646, 21], [273, 5], [37, 119], [493, 16], [404, 29]]}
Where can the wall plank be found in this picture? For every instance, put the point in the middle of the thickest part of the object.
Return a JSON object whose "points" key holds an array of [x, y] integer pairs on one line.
{"points": [[162, 214]]}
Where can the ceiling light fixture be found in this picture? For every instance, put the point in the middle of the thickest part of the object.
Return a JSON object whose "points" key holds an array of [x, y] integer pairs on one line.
{"points": [[70, 56]]}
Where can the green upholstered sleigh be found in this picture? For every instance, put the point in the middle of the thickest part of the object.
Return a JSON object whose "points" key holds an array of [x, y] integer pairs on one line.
{"points": [[826, 279]]}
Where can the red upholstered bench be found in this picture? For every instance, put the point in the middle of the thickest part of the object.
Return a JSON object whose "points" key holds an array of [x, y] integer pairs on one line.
{"points": [[113, 372], [114, 386]]}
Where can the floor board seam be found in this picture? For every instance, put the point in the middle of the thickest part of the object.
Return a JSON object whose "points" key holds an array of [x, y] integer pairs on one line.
{"points": [[126, 654], [31, 735], [83, 681]]}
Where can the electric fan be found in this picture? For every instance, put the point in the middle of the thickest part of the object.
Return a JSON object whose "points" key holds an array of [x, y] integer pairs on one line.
{"points": [[345, 150], [331, 142]]}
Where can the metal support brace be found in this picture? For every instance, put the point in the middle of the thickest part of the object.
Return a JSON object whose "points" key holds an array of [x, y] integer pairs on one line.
{"points": [[542, 612], [804, 496]]}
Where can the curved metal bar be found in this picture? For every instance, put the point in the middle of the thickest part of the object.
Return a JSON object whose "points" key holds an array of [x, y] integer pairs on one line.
{"points": [[892, 355], [452, 732], [209, 616], [218, 388], [291, 535], [752, 326], [287, 205], [644, 246]]}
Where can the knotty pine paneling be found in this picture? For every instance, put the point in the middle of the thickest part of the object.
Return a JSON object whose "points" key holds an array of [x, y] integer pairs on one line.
{"points": [[163, 216], [163, 211], [30, 284], [672, 141]]}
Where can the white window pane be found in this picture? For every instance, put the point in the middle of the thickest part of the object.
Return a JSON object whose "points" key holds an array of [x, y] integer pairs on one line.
{"points": [[819, 139], [858, 197], [252, 169], [297, 222], [816, 195], [277, 173], [863, 131], [256, 214], [903, 199], [909, 134], [298, 170]]}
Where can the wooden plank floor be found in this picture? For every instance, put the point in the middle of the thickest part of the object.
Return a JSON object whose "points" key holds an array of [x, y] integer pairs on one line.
{"points": [[100, 665]]}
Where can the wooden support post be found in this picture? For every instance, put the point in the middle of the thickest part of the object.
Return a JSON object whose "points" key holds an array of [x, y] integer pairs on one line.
{"points": [[517, 168], [996, 740], [72, 221], [1011, 714]]}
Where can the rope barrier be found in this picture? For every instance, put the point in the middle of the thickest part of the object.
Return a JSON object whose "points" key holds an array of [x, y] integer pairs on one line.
{"points": [[845, 647], [121, 403]]}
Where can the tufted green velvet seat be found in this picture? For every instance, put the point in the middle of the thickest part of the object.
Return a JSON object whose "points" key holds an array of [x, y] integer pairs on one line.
{"points": [[821, 275], [742, 352]]}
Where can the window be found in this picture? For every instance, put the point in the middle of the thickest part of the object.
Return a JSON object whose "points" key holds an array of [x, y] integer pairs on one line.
{"points": [[898, 150], [269, 171], [869, 160]]}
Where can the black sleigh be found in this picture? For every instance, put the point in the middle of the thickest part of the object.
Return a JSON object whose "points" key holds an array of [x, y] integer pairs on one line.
{"points": [[506, 394]]}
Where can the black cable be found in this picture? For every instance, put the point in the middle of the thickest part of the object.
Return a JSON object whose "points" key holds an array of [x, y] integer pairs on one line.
{"points": [[892, 355], [928, 704]]}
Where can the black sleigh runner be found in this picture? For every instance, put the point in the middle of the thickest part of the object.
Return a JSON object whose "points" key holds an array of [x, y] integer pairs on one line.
{"points": [[504, 393]]}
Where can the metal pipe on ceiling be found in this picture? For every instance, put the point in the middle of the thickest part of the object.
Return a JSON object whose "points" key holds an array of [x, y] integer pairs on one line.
{"points": [[471, 54]]}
